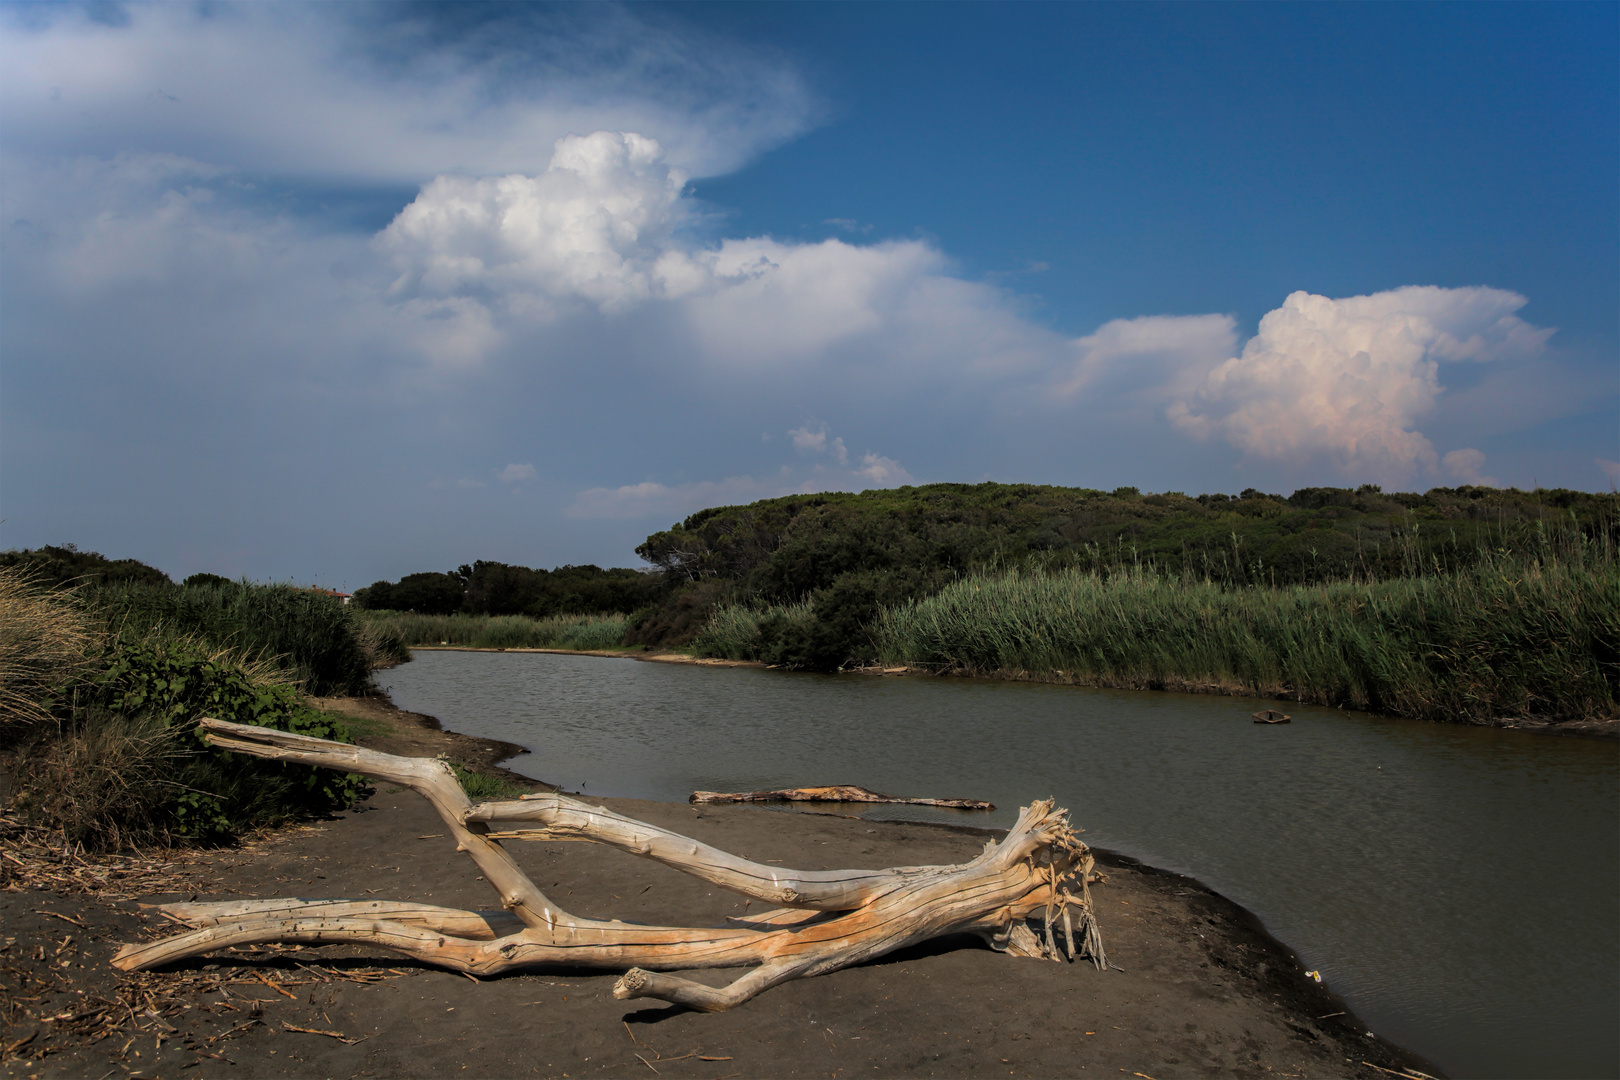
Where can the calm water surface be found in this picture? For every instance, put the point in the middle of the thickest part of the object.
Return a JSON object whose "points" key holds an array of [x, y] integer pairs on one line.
{"points": [[1458, 886]]}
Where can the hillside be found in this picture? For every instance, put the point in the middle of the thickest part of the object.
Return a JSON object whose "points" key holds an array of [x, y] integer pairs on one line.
{"points": [[850, 555]]}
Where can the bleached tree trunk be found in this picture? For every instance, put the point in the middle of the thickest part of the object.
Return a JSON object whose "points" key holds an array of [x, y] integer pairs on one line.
{"points": [[826, 919]]}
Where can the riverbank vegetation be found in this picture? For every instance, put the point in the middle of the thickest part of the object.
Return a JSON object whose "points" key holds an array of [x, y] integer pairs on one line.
{"points": [[102, 682], [1503, 639], [1465, 605], [581, 632]]}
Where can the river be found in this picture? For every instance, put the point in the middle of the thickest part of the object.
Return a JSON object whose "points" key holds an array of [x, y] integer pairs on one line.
{"points": [[1456, 885]]}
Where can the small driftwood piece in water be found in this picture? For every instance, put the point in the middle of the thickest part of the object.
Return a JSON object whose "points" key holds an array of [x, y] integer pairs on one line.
{"points": [[1271, 716], [1018, 895], [834, 793]]}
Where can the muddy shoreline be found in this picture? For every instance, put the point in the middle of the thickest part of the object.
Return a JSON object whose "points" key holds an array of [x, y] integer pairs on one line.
{"points": [[1200, 988]]}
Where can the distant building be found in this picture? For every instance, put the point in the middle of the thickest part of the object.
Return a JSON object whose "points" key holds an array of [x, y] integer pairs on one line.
{"points": [[343, 597]]}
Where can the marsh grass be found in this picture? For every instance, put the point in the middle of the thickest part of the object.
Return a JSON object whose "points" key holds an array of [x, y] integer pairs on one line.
{"points": [[106, 780], [1529, 631], [745, 631], [1504, 638], [582, 632], [46, 640], [313, 637], [99, 733]]}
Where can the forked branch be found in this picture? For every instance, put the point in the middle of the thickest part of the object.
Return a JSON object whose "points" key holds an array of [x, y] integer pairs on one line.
{"points": [[827, 919]]}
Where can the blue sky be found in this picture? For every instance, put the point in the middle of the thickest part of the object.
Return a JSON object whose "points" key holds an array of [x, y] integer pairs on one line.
{"points": [[341, 292]]}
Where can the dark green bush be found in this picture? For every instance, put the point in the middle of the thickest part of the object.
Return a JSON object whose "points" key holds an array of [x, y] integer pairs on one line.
{"points": [[122, 761], [310, 635], [169, 686]]}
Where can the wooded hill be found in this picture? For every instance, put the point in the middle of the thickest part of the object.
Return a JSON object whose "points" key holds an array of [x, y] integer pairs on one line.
{"points": [[850, 555]]}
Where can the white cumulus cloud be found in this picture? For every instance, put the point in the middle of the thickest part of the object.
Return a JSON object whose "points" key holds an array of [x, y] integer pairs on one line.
{"points": [[514, 473], [607, 229], [595, 226], [1347, 380], [1156, 353], [1467, 466], [653, 499], [807, 441]]}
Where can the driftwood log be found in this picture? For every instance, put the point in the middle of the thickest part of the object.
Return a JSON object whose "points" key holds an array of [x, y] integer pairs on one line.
{"points": [[833, 793], [1018, 895]]}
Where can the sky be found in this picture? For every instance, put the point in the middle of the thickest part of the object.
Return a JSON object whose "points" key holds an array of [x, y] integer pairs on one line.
{"points": [[335, 293]]}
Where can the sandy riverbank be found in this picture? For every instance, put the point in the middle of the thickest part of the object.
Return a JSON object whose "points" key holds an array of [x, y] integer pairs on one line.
{"points": [[1202, 990]]}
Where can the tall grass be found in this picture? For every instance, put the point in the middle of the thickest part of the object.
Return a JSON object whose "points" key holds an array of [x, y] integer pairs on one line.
{"points": [[743, 631], [312, 636], [45, 640], [500, 631], [1510, 636], [98, 730]]}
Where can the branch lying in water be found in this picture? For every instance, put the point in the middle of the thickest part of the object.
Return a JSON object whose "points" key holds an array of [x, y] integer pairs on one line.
{"points": [[834, 793]]}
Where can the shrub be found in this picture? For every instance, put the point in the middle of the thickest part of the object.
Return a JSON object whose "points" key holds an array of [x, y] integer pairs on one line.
{"points": [[310, 635], [99, 732]]}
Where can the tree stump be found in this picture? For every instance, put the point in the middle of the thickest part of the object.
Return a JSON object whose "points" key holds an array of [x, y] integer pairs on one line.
{"points": [[1018, 895]]}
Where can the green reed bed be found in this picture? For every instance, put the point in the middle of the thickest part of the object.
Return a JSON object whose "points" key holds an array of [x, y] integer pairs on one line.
{"points": [[1507, 637], [311, 636], [500, 631], [746, 631]]}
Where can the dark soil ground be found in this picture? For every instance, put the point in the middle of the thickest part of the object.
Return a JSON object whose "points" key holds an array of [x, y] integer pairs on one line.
{"points": [[1200, 989]]}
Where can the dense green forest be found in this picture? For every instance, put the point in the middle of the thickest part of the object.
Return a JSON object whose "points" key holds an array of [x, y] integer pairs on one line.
{"points": [[495, 588], [850, 556]]}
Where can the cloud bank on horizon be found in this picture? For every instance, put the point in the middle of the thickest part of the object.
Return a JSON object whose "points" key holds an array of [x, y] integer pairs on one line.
{"points": [[553, 293]]}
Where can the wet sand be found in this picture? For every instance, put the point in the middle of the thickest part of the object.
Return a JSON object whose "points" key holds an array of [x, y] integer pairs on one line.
{"points": [[1201, 990]]}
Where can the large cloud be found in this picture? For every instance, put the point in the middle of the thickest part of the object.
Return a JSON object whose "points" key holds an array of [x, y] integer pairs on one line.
{"points": [[595, 226], [383, 93], [606, 227], [1346, 380]]}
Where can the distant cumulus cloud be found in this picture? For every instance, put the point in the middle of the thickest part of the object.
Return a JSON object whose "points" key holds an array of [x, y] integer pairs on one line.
{"points": [[513, 474], [1345, 381], [652, 499], [1466, 466], [606, 228], [595, 226], [806, 441], [1158, 355]]}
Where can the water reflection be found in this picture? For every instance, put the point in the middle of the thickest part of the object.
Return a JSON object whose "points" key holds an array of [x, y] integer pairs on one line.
{"points": [[1456, 885]]}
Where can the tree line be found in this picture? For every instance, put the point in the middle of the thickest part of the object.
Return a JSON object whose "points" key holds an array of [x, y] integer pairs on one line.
{"points": [[848, 556], [497, 588]]}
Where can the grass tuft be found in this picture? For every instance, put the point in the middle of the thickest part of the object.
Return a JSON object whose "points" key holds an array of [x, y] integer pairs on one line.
{"points": [[484, 787], [46, 640]]}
